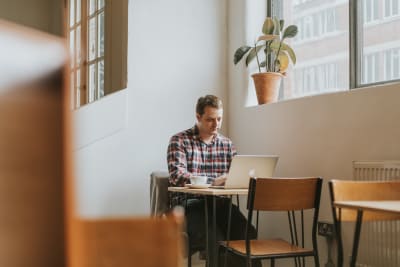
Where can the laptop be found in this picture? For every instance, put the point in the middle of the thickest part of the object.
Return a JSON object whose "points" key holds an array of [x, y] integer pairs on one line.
{"points": [[245, 166]]}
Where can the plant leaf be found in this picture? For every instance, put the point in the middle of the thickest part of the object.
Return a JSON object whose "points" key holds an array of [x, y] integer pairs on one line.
{"points": [[263, 64], [267, 37], [281, 23], [240, 52], [252, 54], [283, 61], [284, 47], [268, 26], [290, 31], [289, 50], [277, 28]]}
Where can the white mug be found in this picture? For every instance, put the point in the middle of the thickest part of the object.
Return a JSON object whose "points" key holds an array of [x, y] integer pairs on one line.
{"points": [[198, 180]]}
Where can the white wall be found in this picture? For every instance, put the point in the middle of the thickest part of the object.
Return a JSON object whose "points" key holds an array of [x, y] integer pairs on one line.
{"points": [[314, 136], [176, 53]]}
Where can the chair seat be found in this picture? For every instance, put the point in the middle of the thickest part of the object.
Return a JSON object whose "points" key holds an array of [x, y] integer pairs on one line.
{"points": [[270, 247]]}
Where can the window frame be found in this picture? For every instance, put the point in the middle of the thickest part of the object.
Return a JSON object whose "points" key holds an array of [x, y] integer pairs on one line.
{"points": [[356, 52], [114, 58], [79, 91]]}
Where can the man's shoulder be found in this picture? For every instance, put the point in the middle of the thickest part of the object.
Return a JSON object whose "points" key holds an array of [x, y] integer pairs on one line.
{"points": [[186, 134]]}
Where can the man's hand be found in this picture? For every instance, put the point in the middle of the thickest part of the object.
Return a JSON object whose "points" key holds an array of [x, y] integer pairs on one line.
{"points": [[220, 180]]}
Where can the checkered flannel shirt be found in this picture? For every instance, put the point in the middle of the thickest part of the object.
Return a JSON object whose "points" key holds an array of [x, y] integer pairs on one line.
{"points": [[188, 155]]}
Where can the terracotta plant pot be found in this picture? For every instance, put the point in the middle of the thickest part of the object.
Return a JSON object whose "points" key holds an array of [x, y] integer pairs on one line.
{"points": [[267, 86]]}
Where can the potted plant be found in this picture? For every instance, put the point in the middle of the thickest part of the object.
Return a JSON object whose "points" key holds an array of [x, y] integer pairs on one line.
{"points": [[275, 62]]}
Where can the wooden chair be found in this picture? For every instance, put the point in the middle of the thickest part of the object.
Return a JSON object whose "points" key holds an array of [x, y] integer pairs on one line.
{"points": [[159, 200], [342, 190], [291, 195], [159, 205], [126, 242]]}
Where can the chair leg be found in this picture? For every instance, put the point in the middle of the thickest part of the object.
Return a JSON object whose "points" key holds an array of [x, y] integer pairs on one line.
{"points": [[272, 262], [225, 256], [189, 260], [316, 260], [248, 261], [188, 252]]}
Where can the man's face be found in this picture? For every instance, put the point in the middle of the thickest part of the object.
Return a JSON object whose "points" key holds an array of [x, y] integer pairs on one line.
{"points": [[210, 121]]}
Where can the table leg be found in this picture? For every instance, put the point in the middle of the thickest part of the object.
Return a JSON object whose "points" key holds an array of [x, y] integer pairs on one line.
{"points": [[211, 241], [214, 248], [356, 239], [206, 226], [228, 233]]}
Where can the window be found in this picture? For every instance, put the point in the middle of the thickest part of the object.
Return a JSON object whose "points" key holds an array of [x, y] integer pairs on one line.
{"points": [[392, 8], [87, 67], [370, 68], [370, 10], [91, 38], [392, 64], [316, 25], [325, 60], [75, 45], [316, 79], [321, 48], [95, 63], [378, 43]]}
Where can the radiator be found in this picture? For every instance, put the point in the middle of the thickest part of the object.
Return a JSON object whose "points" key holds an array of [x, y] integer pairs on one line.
{"points": [[379, 241]]}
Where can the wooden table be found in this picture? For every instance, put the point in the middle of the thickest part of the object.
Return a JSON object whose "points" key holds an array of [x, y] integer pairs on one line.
{"points": [[392, 207], [212, 257]]}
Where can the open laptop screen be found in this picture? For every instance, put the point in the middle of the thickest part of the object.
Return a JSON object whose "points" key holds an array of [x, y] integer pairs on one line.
{"points": [[245, 166]]}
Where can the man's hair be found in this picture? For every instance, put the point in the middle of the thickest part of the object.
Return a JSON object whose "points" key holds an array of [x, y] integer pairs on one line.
{"points": [[207, 101]]}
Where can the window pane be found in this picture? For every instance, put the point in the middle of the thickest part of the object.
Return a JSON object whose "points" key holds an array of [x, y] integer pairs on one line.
{"points": [[100, 80], [92, 6], [321, 48], [378, 43], [78, 52], [101, 4], [396, 7], [72, 82], [72, 90], [396, 64], [101, 35], [92, 82], [78, 87], [387, 8], [72, 46], [78, 79], [92, 38], [71, 12], [78, 98], [78, 10]]}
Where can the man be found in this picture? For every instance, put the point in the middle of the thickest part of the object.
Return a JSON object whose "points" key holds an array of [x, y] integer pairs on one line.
{"points": [[201, 150]]}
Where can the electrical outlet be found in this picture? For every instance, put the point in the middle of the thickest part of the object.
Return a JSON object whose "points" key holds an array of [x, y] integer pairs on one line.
{"points": [[326, 229]]}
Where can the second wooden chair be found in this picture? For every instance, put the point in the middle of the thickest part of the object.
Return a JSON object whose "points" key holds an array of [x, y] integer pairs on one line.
{"points": [[290, 195]]}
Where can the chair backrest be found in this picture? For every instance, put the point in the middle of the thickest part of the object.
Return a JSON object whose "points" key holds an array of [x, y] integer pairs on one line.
{"points": [[342, 190], [291, 195], [126, 242], [159, 199], [280, 194]]}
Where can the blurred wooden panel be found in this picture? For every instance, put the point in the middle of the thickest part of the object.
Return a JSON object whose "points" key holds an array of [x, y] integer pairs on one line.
{"points": [[31, 184], [127, 242], [31, 149]]}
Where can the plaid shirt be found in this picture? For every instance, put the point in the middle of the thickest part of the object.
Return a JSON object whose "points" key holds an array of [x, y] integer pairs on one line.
{"points": [[188, 155]]}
